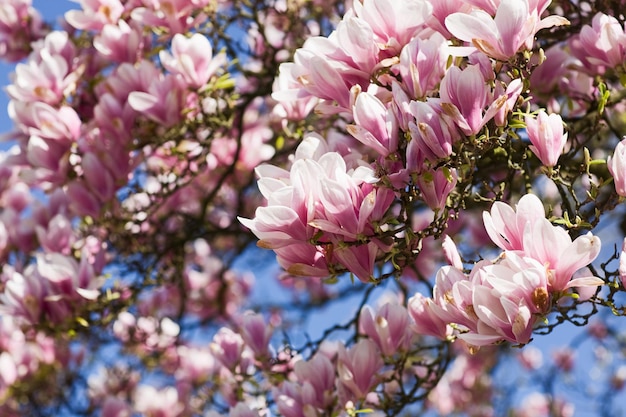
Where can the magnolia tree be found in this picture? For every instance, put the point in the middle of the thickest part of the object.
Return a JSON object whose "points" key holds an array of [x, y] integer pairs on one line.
{"points": [[439, 181]]}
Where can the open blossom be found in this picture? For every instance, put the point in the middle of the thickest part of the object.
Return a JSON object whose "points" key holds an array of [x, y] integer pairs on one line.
{"points": [[192, 59], [163, 102], [617, 167], [390, 20], [320, 196], [528, 230], [175, 16], [49, 74], [95, 14], [329, 67], [50, 288], [312, 391], [604, 42], [387, 328], [20, 25], [358, 367], [547, 137], [501, 37], [120, 42], [502, 300]]}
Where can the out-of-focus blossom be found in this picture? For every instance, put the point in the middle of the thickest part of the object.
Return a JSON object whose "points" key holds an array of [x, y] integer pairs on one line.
{"points": [[358, 367], [617, 166], [604, 42], [164, 402], [50, 74], [95, 14], [20, 26], [388, 328], [120, 42], [192, 59]]}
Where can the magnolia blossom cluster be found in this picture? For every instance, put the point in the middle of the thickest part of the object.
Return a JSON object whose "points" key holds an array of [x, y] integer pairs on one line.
{"points": [[407, 108], [20, 25], [22, 355], [422, 99], [322, 214], [142, 126], [502, 300]]}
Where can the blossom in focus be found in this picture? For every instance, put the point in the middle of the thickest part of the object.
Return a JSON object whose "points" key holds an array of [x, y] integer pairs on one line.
{"points": [[326, 196], [512, 28], [547, 137]]}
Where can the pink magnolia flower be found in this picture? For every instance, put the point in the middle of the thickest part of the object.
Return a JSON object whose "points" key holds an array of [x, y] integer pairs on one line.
{"points": [[95, 14], [61, 125], [256, 334], [20, 26], [163, 102], [465, 94], [617, 167], [317, 376], [120, 42], [435, 185], [163, 402], [530, 358], [289, 401], [192, 59], [49, 74], [505, 226], [451, 253], [325, 196], [428, 317], [547, 137], [423, 64], [553, 246], [175, 15], [501, 37], [443, 9], [604, 42], [58, 236], [506, 296], [195, 364], [529, 231], [115, 407], [375, 126], [227, 347], [387, 328], [242, 410], [390, 21], [23, 295], [358, 367], [432, 134]]}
